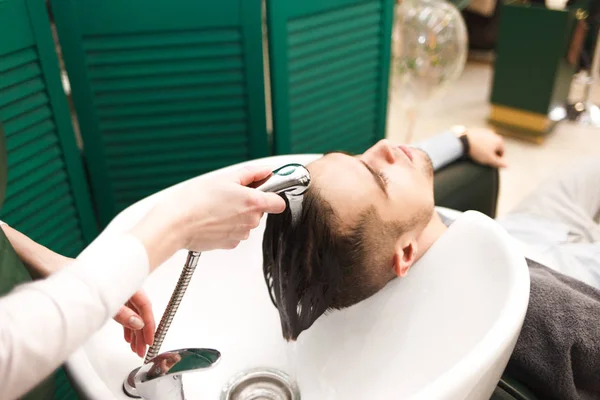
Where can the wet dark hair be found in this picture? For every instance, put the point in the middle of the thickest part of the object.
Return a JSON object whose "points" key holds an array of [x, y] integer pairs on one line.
{"points": [[314, 265]]}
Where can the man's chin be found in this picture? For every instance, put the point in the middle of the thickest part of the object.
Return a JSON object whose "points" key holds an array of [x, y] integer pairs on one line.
{"points": [[423, 162]]}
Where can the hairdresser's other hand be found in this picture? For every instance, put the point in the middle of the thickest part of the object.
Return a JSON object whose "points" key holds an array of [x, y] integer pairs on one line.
{"points": [[135, 316], [138, 322], [486, 147]]}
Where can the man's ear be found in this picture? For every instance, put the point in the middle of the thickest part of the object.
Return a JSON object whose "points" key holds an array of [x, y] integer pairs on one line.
{"points": [[404, 257]]}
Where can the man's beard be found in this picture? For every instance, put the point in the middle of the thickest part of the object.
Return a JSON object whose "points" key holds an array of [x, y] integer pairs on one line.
{"points": [[426, 164]]}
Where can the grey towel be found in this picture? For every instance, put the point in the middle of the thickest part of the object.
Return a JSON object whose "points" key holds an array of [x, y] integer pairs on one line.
{"points": [[558, 352]]}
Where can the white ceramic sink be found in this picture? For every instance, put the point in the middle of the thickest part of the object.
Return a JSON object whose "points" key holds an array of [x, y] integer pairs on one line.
{"points": [[444, 332]]}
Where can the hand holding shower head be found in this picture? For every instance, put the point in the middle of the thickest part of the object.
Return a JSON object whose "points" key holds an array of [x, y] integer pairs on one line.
{"points": [[291, 179]]}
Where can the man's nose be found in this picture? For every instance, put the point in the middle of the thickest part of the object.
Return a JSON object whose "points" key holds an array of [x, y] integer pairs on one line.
{"points": [[385, 151]]}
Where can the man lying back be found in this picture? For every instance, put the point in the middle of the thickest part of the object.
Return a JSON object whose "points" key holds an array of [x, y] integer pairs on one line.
{"points": [[367, 219]]}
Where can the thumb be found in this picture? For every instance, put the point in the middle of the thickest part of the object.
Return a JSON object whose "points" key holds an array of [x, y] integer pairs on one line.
{"points": [[129, 319], [500, 162], [273, 203], [250, 174]]}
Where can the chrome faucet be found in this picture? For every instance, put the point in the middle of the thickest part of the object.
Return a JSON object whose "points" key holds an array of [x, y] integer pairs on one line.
{"points": [[160, 378]]}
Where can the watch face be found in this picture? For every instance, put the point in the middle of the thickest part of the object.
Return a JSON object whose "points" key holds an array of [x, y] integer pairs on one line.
{"points": [[458, 130]]}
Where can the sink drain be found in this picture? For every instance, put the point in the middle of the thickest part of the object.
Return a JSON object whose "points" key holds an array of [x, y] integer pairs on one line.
{"points": [[261, 384]]}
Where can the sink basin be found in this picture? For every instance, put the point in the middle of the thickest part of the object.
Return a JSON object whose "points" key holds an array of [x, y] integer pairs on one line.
{"points": [[445, 331]]}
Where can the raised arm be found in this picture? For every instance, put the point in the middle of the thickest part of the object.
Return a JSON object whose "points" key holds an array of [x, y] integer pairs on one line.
{"points": [[136, 315], [482, 145]]}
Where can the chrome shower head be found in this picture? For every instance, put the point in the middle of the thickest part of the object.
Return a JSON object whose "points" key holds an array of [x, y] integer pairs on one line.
{"points": [[291, 180]]}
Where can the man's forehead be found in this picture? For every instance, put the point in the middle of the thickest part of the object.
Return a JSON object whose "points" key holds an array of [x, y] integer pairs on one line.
{"points": [[340, 180], [329, 167], [326, 161]]}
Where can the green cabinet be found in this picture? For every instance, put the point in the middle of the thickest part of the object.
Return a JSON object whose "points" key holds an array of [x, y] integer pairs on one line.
{"points": [[164, 90], [47, 196], [329, 62], [531, 75]]}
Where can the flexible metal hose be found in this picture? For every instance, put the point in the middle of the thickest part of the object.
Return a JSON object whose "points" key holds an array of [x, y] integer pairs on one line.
{"points": [[292, 179], [171, 310]]}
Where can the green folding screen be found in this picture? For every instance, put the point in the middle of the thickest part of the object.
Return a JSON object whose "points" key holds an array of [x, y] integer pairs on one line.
{"points": [[47, 195], [329, 63], [164, 90]]}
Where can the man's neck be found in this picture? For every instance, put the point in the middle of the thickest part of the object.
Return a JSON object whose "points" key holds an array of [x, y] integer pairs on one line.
{"points": [[432, 232]]}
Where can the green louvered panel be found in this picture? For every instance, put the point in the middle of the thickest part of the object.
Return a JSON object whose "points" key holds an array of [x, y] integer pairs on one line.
{"points": [[47, 196], [329, 73], [164, 90], [63, 389]]}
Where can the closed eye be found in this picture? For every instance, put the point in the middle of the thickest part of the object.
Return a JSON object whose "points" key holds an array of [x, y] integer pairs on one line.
{"points": [[380, 178], [384, 178]]}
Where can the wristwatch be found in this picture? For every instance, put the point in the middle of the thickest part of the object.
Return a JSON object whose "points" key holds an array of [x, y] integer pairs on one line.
{"points": [[461, 132]]}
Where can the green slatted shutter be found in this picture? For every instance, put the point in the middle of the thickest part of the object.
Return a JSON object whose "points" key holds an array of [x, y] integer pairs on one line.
{"points": [[47, 195], [164, 90], [329, 63]]}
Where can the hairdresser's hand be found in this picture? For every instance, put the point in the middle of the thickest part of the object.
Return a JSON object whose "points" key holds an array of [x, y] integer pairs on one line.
{"points": [[138, 322], [40, 261], [486, 147], [206, 214], [221, 213]]}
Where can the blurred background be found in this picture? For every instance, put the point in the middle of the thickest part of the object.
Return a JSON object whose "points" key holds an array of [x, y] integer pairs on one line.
{"points": [[529, 163], [532, 42]]}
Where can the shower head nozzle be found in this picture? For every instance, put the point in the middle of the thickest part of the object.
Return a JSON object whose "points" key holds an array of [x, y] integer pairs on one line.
{"points": [[291, 180]]}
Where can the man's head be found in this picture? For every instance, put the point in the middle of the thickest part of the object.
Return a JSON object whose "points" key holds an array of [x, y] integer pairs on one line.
{"points": [[358, 229]]}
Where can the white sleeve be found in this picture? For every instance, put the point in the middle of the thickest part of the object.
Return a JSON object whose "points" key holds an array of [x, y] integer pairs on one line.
{"points": [[43, 322], [442, 149]]}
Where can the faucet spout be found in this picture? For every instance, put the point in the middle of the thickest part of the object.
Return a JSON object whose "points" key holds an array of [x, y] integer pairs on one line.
{"points": [[160, 378]]}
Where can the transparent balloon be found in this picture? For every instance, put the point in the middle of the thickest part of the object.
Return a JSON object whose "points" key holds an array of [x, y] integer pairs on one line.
{"points": [[430, 49]]}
